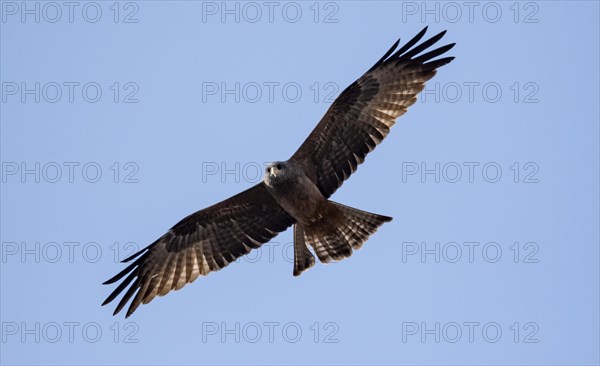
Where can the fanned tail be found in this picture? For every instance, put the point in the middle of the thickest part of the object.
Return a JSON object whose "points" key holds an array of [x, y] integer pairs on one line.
{"points": [[342, 230]]}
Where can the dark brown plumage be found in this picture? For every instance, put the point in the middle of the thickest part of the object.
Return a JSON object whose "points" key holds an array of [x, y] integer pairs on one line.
{"points": [[294, 192], [361, 117], [203, 242]]}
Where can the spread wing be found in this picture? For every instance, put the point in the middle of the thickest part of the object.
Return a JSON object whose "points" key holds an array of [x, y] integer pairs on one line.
{"points": [[203, 242], [362, 115]]}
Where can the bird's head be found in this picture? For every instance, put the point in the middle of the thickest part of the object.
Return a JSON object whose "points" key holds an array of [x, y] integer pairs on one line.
{"points": [[276, 171]]}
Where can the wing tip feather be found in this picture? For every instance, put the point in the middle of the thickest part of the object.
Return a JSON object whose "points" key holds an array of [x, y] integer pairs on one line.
{"points": [[409, 50]]}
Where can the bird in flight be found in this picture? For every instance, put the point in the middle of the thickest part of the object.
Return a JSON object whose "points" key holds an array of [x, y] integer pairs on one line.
{"points": [[293, 192]]}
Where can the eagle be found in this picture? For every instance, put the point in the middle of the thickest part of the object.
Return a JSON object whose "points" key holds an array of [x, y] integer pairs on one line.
{"points": [[293, 192]]}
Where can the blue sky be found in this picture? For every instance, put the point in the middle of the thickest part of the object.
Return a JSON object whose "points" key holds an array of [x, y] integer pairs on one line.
{"points": [[119, 119]]}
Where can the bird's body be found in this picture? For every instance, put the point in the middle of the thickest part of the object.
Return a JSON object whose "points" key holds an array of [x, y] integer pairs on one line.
{"points": [[331, 231], [293, 192]]}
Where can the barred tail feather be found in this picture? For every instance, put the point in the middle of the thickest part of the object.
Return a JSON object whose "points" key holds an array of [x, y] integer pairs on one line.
{"points": [[303, 258], [342, 230]]}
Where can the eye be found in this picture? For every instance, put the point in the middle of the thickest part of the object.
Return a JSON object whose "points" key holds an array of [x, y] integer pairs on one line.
{"points": [[278, 166]]}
